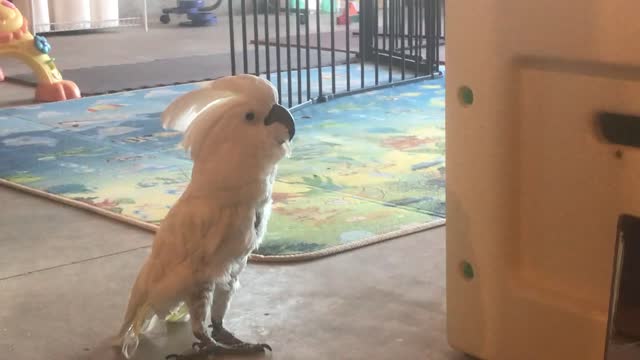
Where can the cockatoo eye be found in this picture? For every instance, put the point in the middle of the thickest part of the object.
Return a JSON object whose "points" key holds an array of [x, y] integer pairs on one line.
{"points": [[250, 116]]}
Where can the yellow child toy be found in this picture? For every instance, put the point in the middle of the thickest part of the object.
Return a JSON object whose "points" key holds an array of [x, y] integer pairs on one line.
{"points": [[17, 41]]}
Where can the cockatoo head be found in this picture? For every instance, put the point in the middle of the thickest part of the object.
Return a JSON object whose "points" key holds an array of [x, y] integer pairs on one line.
{"points": [[233, 125]]}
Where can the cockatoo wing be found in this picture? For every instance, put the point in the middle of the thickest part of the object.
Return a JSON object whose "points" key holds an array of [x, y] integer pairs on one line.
{"points": [[194, 243]]}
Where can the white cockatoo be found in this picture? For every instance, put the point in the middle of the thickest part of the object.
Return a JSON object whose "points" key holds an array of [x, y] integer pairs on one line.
{"points": [[236, 133]]}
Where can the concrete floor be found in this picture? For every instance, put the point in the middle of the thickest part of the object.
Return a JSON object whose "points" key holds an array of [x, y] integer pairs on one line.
{"points": [[65, 276]]}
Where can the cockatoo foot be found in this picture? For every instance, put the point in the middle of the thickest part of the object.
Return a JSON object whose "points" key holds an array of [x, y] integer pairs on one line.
{"points": [[205, 350], [222, 336], [201, 349], [248, 348]]}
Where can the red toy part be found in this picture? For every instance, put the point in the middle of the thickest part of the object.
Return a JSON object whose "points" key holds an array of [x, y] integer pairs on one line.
{"points": [[351, 9]]}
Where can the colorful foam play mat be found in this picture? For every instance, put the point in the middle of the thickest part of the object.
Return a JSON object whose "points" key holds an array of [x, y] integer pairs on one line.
{"points": [[365, 168]]}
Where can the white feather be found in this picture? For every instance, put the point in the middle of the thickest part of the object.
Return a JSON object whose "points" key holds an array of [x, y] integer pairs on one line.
{"points": [[185, 109]]}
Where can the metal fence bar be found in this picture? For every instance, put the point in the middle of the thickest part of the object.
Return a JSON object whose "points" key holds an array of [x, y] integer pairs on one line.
{"points": [[363, 20], [287, 11], [410, 24], [376, 47], [392, 37], [267, 57], [419, 32], [438, 32], [306, 34], [398, 45], [442, 17], [411, 15], [298, 49], [348, 45], [385, 27], [318, 49], [278, 56], [232, 39], [256, 40], [244, 36], [332, 12], [431, 40], [403, 37]]}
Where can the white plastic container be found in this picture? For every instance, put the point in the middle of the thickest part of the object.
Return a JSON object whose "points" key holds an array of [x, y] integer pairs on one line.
{"points": [[41, 18], [534, 192], [71, 14], [293, 3], [104, 13]]}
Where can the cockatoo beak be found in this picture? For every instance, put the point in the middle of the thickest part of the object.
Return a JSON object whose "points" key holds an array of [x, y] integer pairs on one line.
{"points": [[280, 114]]}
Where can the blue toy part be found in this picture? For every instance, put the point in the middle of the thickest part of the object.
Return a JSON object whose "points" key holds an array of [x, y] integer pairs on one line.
{"points": [[190, 4], [201, 19], [41, 44], [196, 12]]}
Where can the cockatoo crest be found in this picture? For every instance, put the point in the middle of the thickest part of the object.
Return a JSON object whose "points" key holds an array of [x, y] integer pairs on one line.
{"points": [[234, 129], [196, 112]]}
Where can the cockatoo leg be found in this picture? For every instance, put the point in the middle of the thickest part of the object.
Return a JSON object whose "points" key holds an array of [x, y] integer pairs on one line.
{"points": [[222, 295], [198, 304]]}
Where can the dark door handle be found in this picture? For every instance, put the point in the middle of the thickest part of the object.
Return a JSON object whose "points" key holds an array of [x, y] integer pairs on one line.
{"points": [[620, 129]]}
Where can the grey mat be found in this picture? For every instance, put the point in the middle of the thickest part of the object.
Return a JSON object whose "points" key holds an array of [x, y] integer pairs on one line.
{"points": [[124, 77]]}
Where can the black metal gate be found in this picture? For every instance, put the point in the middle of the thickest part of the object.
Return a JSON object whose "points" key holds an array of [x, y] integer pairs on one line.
{"points": [[389, 42]]}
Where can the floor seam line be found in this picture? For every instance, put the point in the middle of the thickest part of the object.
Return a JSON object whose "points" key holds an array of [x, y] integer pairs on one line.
{"points": [[75, 262]]}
